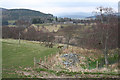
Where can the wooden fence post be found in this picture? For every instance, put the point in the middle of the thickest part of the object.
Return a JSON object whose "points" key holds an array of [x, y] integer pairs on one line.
{"points": [[34, 62], [40, 60], [97, 65], [45, 60], [88, 65], [72, 50], [50, 55]]}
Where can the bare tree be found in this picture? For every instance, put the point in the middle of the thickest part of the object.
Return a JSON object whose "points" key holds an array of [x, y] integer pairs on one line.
{"points": [[68, 32], [21, 26], [106, 24]]}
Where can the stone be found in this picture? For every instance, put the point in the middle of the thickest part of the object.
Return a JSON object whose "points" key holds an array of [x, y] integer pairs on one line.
{"points": [[70, 59]]}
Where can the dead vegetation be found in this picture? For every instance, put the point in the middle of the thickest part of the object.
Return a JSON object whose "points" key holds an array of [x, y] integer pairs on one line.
{"points": [[53, 67]]}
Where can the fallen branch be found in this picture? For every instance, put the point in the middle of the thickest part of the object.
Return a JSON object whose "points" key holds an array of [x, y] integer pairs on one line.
{"points": [[43, 65]]}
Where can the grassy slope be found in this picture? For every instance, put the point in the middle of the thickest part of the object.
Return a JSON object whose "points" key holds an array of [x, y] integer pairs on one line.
{"points": [[15, 55]]}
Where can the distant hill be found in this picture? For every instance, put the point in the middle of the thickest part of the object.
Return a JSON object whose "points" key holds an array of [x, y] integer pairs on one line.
{"points": [[27, 14], [3, 9], [75, 15], [91, 17], [117, 14]]}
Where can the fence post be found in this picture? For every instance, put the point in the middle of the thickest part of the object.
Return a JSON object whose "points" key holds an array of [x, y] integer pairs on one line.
{"points": [[97, 65], [40, 60], [72, 50], [88, 65], [45, 60], [34, 62], [50, 55]]}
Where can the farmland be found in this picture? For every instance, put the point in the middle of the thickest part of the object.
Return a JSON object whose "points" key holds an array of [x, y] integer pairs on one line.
{"points": [[15, 55], [18, 58]]}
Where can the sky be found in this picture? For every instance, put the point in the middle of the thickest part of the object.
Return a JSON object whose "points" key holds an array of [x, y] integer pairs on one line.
{"points": [[57, 7]]}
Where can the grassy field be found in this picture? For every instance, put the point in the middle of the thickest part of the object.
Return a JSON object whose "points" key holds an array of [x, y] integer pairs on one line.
{"points": [[18, 58], [15, 55]]}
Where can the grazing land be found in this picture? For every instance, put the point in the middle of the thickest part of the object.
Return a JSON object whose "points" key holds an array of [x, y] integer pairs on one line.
{"points": [[18, 61], [15, 55]]}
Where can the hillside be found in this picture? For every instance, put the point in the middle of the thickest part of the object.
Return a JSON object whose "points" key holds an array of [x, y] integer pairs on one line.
{"points": [[26, 14]]}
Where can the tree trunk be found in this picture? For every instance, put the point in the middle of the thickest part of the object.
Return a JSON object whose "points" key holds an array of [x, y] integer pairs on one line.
{"points": [[106, 52]]}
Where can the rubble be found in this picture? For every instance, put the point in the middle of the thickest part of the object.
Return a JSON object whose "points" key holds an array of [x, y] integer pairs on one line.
{"points": [[70, 59]]}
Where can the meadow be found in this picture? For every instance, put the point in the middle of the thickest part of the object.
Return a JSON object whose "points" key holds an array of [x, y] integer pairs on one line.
{"points": [[15, 55]]}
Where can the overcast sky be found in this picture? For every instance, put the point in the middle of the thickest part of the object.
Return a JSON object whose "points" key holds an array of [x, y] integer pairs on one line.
{"points": [[59, 6]]}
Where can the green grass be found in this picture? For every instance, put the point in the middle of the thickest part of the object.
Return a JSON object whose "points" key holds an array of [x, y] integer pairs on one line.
{"points": [[15, 55], [111, 60]]}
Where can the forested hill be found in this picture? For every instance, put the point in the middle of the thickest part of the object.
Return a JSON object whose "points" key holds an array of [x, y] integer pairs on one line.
{"points": [[15, 14]]}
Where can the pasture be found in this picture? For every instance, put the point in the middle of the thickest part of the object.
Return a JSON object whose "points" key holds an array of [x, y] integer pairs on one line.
{"points": [[16, 56], [20, 58]]}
